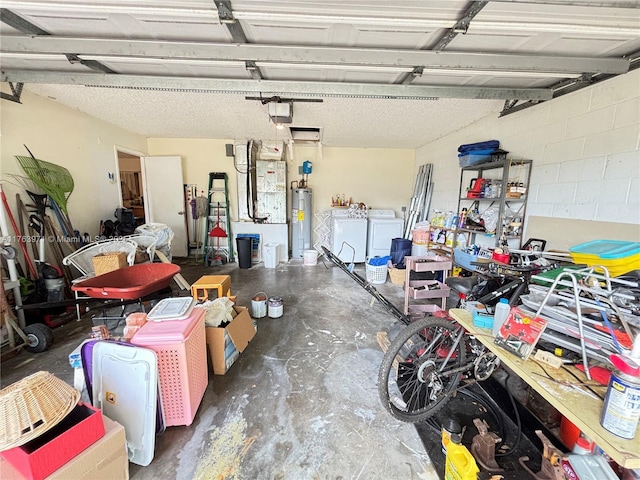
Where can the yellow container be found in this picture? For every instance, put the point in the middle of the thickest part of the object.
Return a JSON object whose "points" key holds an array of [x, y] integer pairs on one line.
{"points": [[616, 267], [459, 463], [617, 256]]}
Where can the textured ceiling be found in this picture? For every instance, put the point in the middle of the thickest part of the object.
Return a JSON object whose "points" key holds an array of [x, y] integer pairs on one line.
{"points": [[346, 122], [182, 68]]}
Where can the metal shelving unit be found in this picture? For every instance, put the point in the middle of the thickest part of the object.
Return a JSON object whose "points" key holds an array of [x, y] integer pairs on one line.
{"points": [[504, 171]]}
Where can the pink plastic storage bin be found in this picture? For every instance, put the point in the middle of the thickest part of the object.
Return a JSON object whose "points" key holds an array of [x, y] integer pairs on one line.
{"points": [[181, 348]]}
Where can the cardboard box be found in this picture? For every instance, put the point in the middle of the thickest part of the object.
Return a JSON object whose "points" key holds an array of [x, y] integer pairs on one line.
{"points": [[47, 453], [108, 262], [226, 343], [106, 459]]}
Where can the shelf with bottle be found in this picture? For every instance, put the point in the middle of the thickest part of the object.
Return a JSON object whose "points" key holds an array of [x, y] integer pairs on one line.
{"points": [[341, 201], [495, 195]]}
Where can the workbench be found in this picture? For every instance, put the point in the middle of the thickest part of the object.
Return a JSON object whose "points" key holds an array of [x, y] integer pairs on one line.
{"points": [[563, 388]]}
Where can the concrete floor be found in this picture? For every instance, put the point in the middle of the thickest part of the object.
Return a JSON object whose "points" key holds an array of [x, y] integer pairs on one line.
{"points": [[300, 403]]}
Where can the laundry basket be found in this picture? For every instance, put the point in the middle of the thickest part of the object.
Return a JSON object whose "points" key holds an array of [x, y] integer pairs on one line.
{"points": [[376, 274]]}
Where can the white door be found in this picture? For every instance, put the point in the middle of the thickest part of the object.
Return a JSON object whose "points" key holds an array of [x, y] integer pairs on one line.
{"points": [[164, 198]]}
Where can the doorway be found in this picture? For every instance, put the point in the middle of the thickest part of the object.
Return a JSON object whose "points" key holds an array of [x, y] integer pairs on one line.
{"points": [[131, 188]]}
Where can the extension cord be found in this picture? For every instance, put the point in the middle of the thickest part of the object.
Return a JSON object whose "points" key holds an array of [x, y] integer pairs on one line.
{"points": [[548, 358]]}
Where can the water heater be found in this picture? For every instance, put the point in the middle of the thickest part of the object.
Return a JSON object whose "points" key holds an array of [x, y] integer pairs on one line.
{"points": [[301, 215]]}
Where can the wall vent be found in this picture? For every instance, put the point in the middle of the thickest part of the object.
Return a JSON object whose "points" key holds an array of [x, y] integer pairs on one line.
{"points": [[306, 134]]}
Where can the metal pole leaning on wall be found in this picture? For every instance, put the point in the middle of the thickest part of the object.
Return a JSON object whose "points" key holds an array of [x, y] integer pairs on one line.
{"points": [[11, 263]]}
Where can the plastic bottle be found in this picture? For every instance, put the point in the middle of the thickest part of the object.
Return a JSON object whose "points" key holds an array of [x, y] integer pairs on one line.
{"points": [[582, 446], [450, 427], [459, 463], [463, 218], [448, 219], [500, 314]]}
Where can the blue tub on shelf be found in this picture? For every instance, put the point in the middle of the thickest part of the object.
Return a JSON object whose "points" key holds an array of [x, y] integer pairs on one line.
{"points": [[464, 259]]}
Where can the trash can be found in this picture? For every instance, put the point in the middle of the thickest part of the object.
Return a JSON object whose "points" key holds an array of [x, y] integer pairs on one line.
{"points": [[400, 247], [244, 251]]}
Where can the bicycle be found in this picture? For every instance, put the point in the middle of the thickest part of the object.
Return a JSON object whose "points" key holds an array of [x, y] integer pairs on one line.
{"points": [[426, 362]]}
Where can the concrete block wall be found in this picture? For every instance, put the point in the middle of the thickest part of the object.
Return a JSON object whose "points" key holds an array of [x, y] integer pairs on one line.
{"points": [[585, 148]]}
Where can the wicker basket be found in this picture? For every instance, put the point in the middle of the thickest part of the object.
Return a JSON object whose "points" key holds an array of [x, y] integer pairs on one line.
{"points": [[376, 274], [397, 275], [108, 262], [33, 405]]}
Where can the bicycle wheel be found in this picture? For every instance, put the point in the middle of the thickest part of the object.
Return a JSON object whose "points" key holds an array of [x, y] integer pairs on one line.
{"points": [[410, 385]]}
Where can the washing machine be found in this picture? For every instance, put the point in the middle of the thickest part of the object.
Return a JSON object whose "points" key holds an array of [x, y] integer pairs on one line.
{"points": [[383, 226], [348, 237]]}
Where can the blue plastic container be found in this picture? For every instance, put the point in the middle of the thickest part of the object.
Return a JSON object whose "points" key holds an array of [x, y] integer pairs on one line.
{"points": [[464, 259], [400, 247]]}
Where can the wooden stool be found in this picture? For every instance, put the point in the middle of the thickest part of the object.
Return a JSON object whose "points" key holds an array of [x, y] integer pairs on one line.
{"points": [[221, 283]]}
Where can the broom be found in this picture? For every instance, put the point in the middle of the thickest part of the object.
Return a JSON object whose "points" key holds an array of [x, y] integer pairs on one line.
{"points": [[199, 209]]}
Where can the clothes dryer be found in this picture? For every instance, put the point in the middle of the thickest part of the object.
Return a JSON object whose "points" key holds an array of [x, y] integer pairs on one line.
{"points": [[383, 226]]}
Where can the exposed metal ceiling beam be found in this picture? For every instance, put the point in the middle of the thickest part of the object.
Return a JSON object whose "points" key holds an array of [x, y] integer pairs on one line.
{"points": [[225, 14], [19, 23], [92, 64], [16, 92], [270, 87], [461, 26], [310, 54]]}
